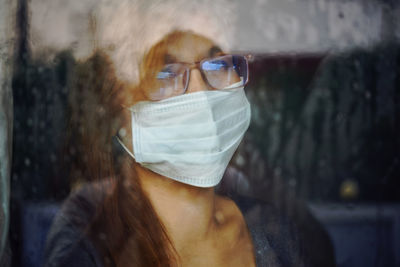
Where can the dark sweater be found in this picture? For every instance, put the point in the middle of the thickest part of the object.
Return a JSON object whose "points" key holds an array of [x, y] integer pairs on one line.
{"points": [[275, 238]]}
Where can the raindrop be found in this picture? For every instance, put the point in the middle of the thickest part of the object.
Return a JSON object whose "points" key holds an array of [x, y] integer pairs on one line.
{"points": [[101, 111], [127, 183], [240, 160], [349, 189], [102, 236], [219, 217], [122, 132], [263, 95], [277, 116], [27, 161]]}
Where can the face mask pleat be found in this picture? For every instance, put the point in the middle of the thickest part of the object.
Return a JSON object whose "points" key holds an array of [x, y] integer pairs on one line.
{"points": [[211, 143], [199, 158], [194, 130], [175, 119]]}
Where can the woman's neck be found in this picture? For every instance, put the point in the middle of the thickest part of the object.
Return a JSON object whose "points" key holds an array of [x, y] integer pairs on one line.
{"points": [[187, 212]]}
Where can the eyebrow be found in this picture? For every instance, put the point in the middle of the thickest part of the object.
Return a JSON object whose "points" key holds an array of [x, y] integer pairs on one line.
{"points": [[168, 59], [214, 51]]}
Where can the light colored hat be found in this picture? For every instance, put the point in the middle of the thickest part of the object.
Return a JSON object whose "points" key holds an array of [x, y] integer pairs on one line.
{"points": [[126, 29]]}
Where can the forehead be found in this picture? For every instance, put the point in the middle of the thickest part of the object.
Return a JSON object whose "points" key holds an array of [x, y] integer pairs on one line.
{"points": [[189, 47]]}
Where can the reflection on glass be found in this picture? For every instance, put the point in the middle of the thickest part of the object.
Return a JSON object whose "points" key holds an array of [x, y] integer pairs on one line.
{"points": [[321, 152]]}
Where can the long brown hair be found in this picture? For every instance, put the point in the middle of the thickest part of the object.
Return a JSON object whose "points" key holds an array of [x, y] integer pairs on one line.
{"points": [[125, 229]]}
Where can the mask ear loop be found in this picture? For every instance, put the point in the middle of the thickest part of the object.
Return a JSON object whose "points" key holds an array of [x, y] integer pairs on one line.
{"points": [[116, 137], [124, 147]]}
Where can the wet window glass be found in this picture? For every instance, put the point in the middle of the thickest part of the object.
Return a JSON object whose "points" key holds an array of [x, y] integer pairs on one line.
{"points": [[199, 133]]}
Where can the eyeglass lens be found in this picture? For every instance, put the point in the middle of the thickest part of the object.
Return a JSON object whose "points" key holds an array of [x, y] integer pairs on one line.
{"points": [[225, 71], [170, 81]]}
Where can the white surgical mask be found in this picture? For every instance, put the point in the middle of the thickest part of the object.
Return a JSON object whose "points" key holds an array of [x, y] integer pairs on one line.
{"points": [[190, 138]]}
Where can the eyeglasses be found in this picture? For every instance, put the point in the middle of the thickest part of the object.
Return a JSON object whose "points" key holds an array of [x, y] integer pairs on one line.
{"points": [[223, 72]]}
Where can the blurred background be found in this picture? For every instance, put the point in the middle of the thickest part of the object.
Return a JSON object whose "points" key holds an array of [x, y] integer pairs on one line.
{"points": [[325, 94]]}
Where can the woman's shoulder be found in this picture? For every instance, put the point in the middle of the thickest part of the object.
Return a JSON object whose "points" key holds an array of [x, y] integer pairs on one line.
{"points": [[79, 208], [67, 243], [274, 236], [284, 232]]}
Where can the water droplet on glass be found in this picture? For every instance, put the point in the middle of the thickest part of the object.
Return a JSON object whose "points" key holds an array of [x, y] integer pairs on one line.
{"points": [[240, 160], [219, 217], [349, 189], [122, 132]]}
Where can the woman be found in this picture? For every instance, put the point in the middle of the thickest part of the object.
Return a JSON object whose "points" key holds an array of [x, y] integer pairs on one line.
{"points": [[154, 153]]}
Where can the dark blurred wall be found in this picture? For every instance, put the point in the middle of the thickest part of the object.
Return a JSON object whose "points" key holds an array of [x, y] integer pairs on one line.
{"points": [[334, 135]]}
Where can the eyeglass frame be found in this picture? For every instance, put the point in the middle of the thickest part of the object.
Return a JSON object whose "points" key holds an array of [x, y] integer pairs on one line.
{"points": [[197, 65]]}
